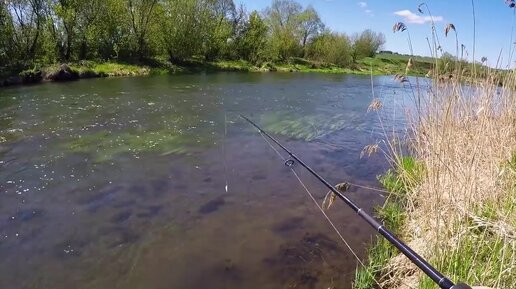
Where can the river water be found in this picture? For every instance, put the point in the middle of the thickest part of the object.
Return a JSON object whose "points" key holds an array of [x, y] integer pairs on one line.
{"points": [[121, 182]]}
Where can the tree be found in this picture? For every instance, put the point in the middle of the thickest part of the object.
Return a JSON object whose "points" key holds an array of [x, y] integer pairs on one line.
{"points": [[330, 48], [366, 44], [254, 39], [6, 36], [182, 30], [219, 24], [26, 26], [141, 14], [87, 33], [311, 25], [283, 19], [47, 31], [62, 17], [446, 63], [111, 31], [72, 26]]}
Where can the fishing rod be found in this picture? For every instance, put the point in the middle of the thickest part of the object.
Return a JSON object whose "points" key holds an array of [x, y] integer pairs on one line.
{"points": [[430, 271]]}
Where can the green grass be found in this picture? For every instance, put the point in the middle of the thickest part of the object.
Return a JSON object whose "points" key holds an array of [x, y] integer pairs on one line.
{"points": [[381, 64], [484, 254], [395, 63], [398, 182], [479, 256], [109, 69]]}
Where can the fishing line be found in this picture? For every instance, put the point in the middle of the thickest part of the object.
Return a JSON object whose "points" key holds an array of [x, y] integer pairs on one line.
{"points": [[441, 280], [224, 150], [287, 162]]}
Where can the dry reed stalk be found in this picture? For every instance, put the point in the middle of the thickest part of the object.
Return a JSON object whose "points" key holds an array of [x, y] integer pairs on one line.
{"points": [[463, 137]]}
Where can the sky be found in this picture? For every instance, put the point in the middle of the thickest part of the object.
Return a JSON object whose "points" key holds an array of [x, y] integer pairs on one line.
{"points": [[494, 24]]}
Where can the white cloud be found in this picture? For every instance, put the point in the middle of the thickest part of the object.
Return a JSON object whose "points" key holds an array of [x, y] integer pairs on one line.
{"points": [[417, 19], [363, 6]]}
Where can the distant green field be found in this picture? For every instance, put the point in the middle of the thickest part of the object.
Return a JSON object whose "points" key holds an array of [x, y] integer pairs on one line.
{"points": [[385, 63], [395, 56]]}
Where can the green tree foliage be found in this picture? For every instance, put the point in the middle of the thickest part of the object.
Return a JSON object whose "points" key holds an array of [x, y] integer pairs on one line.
{"points": [[283, 18], [446, 63], [253, 43], [142, 13], [311, 26], [112, 32], [26, 27], [34, 32], [70, 23], [219, 16], [331, 48], [182, 29], [366, 44], [6, 36]]}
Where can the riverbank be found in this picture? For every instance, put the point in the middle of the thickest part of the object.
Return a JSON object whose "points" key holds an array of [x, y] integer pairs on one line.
{"points": [[453, 199], [382, 64]]}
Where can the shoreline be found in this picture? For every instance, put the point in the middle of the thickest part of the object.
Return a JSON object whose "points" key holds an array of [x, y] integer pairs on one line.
{"points": [[65, 72]]}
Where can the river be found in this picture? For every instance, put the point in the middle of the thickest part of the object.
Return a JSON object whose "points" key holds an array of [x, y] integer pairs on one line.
{"points": [[155, 182]]}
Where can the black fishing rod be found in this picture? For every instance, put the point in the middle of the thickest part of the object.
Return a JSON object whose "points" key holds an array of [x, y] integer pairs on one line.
{"points": [[430, 271]]}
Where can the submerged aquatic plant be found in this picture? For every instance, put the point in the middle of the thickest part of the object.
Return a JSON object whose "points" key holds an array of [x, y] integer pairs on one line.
{"points": [[105, 145], [308, 127]]}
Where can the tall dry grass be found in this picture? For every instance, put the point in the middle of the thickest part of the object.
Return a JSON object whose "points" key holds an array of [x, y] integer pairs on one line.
{"points": [[454, 195], [461, 208]]}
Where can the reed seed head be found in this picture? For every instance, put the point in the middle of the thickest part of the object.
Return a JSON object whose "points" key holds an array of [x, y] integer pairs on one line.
{"points": [[399, 26], [376, 104], [419, 8], [448, 28]]}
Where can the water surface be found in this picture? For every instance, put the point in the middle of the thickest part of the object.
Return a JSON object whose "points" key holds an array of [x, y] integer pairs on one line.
{"points": [[121, 183]]}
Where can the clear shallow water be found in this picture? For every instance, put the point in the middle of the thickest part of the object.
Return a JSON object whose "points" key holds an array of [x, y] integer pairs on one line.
{"points": [[120, 183]]}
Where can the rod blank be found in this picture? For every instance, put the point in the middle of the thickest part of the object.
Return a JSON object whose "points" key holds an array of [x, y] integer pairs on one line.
{"points": [[429, 270]]}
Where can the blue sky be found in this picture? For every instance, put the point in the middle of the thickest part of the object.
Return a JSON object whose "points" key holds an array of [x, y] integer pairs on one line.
{"points": [[494, 22]]}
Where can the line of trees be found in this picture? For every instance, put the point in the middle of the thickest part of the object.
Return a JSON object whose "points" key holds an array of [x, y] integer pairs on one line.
{"points": [[50, 31]]}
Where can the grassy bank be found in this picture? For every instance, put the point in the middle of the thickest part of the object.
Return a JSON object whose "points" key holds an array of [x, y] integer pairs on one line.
{"points": [[399, 181], [454, 199], [382, 64]]}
